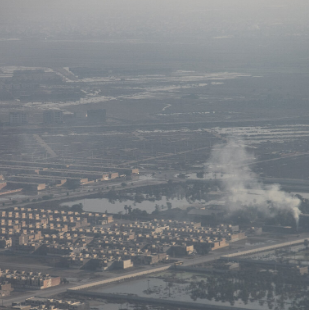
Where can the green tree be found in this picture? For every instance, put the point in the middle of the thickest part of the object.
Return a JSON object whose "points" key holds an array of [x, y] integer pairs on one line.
{"points": [[77, 207]]}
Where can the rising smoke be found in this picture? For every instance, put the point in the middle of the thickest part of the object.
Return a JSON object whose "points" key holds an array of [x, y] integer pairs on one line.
{"points": [[230, 163]]}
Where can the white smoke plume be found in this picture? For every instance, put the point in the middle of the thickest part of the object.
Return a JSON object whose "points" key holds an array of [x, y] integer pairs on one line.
{"points": [[230, 163]]}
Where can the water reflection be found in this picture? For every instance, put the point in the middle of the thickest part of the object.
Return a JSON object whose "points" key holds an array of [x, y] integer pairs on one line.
{"points": [[252, 288], [176, 288], [116, 206]]}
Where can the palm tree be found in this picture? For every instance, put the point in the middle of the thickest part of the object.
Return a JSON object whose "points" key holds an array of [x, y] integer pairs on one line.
{"points": [[170, 284], [306, 243]]}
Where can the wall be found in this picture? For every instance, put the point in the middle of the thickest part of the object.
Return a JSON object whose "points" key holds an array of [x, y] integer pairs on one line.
{"points": [[219, 244]]}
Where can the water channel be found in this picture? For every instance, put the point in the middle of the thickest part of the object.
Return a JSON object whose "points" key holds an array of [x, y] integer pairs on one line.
{"points": [[116, 206]]}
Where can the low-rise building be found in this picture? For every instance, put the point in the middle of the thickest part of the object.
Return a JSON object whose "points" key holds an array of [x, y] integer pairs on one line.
{"points": [[5, 288], [59, 303], [28, 280]]}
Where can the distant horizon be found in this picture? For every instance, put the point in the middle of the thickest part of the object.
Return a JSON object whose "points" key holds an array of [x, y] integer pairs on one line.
{"points": [[173, 18]]}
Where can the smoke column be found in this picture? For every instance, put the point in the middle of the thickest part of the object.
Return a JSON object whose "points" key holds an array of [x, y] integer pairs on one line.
{"points": [[231, 162]]}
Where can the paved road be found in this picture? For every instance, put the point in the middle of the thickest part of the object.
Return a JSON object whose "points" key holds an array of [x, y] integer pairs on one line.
{"points": [[26, 267], [43, 144], [83, 192], [163, 156], [41, 293]]}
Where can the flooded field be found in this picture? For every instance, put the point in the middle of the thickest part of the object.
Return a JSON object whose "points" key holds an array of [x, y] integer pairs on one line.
{"points": [[106, 305], [175, 286], [294, 255]]}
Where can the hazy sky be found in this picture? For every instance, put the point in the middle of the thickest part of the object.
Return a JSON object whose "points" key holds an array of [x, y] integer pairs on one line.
{"points": [[250, 33], [29, 9], [157, 17]]}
